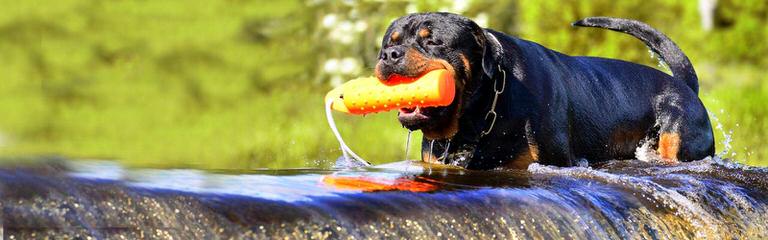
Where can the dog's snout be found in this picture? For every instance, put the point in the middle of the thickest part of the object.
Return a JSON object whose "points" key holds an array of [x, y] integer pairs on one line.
{"points": [[392, 55], [395, 54]]}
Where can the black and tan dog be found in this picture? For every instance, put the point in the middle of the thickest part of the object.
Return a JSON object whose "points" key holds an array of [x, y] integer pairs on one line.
{"points": [[519, 102]]}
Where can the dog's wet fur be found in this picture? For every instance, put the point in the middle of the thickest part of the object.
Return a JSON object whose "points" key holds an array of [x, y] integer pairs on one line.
{"points": [[554, 109]]}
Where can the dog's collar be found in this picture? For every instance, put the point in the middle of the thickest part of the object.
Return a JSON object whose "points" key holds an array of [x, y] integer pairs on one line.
{"points": [[466, 145], [497, 91]]}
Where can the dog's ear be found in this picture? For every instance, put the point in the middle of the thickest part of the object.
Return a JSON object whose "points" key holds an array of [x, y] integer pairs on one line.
{"points": [[491, 53]]}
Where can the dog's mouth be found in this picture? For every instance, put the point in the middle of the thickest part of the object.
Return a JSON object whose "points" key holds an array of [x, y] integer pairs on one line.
{"points": [[420, 118], [413, 118]]}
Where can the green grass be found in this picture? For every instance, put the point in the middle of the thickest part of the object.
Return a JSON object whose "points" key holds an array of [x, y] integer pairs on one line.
{"points": [[737, 96], [284, 128]]}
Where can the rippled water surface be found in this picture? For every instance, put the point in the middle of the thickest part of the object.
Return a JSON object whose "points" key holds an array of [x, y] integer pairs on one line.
{"points": [[622, 199]]}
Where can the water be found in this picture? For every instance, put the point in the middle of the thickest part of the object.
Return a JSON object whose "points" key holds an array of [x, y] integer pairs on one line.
{"points": [[408, 144], [727, 135], [348, 155], [710, 198]]}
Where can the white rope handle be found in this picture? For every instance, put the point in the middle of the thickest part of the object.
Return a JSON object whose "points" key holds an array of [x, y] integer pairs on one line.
{"points": [[345, 150]]}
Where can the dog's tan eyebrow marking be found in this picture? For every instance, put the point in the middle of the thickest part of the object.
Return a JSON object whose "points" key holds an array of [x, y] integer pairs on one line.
{"points": [[467, 68], [395, 36], [424, 32]]}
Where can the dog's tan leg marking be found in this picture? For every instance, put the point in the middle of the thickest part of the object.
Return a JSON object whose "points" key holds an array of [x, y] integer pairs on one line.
{"points": [[525, 158], [428, 157], [669, 146]]}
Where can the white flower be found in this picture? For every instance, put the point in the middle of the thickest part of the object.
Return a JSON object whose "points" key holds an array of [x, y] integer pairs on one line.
{"points": [[331, 65], [481, 20], [329, 20], [460, 6], [345, 27], [336, 81], [360, 26], [348, 65], [346, 39], [343, 32], [411, 8]]}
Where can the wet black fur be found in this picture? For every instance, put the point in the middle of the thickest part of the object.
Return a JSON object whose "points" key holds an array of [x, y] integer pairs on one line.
{"points": [[569, 107]]}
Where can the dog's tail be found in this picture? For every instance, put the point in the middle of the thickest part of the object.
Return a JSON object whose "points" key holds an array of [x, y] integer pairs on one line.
{"points": [[659, 43]]}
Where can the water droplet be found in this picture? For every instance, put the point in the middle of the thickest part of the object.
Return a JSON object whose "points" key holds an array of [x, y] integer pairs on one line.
{"points": [[407, 144]]}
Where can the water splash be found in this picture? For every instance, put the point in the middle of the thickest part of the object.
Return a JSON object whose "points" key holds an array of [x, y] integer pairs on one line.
{"points": [[700, 203], [582, 162], [646, 153], [727, 136]]}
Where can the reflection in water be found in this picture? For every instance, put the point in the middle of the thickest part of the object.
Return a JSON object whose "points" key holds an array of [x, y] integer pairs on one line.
{"points": [[624, 199]]}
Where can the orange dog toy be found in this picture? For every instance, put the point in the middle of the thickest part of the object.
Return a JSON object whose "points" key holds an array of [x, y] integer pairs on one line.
{"points": [[369, 95], [370, 184]]}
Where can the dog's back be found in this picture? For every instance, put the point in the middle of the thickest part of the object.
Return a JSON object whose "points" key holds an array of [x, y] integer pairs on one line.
{"points": [[606, 108], [656, 41]]}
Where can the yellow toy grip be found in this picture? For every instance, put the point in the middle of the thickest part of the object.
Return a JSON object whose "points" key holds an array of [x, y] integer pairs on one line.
{"points": [[369, 95]]}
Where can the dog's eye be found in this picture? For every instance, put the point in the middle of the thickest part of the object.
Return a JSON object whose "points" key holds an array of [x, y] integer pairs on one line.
{"points": [[434, 42]]}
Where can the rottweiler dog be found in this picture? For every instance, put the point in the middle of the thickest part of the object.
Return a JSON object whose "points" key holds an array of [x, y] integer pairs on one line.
{"points": [[518, 102]]}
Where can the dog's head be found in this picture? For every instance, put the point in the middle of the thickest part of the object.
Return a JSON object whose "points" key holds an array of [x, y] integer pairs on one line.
{"points": [[418, 43]]}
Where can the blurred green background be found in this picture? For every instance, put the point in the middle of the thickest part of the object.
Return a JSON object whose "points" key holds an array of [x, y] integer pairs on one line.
{"points": [[239, 84]]}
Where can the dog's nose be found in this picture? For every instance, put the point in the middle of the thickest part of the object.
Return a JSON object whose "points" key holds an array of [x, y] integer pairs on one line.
{"points": [[392, 55]]}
